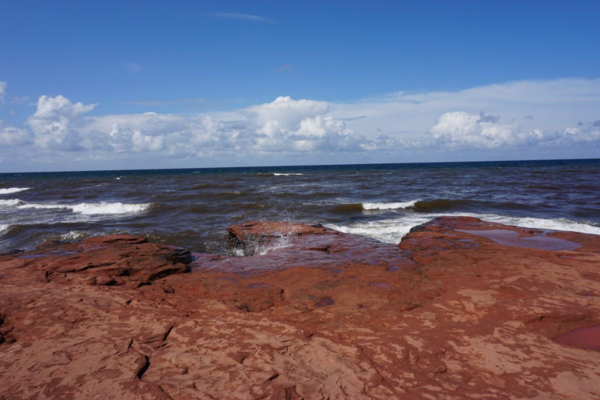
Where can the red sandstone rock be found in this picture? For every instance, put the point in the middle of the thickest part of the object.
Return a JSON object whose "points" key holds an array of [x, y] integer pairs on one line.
{"points": [[457, 310]]}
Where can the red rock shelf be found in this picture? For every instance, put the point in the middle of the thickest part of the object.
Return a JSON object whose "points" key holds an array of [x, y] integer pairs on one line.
{"points": [[451, 312]]}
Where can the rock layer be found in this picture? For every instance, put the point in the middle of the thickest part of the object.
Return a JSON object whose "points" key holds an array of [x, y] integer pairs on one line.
{"points": [[455, 311]]}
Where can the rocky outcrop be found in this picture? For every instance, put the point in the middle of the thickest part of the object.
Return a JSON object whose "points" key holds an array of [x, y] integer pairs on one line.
{"points": [[460, 309]]}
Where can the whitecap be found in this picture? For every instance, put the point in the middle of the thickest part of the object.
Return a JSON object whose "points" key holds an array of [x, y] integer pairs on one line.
{"points": [[386, 231], [10, 202], [109, 208], [4, 228], [393, 230], [12, 190], [286, 174], [388, 206], [93, 208], [43, 206]]}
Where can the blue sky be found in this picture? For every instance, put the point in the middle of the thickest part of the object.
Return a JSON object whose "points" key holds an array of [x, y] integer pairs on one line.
{"points": [[533, 65]]}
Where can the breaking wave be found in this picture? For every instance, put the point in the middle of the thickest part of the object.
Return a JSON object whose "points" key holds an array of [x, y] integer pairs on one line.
{"points": [[10, 202], [389, 206], [393, 230], [4, 228], [12, 190], [278, 173], [427, 206], [82, 208], [358, 207]]}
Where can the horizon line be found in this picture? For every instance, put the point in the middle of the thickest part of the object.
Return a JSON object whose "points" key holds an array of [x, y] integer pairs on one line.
{"points": [[298, 166]]}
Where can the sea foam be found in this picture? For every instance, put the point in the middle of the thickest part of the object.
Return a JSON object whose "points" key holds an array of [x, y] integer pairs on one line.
{"points": [[4, 228], [388, 206], [10, 202], [12, 190], [393, 230], [92, 208], [110, 208]]}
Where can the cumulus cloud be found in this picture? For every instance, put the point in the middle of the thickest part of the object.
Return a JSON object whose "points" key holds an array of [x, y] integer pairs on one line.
{"points": [[10, 136], [284, 125], [555, 104], [474, 130], [482, 131], [397, 127], [287, 112], [585, 134], [125, 140], [56, 121]]}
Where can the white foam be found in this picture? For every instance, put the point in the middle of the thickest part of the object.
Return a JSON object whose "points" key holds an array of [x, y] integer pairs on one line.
{"points": [[93, 208], [12, 190], [256, 248], [558, 224], [387, 231], [4, 228], [10, 202], [285, 174], [43, 206], [388, 206], [109, 208], [72, 235], [279, 244], [393, 230]]}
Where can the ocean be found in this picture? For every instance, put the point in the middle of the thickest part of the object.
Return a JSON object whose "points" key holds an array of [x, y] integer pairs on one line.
{"points": [[192, 208]]}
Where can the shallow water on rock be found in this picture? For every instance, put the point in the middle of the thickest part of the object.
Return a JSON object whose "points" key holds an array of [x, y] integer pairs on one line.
{"points": [[511, 238], [585, 338]]}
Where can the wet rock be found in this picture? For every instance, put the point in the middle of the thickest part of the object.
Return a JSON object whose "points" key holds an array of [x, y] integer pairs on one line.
{"points": [[448, 313]]}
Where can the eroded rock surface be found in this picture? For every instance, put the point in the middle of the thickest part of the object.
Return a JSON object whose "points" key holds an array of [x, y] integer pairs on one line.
{"points": [[454, 312]]}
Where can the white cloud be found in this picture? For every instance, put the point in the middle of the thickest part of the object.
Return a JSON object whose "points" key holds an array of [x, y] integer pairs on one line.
{"points": [[10, 136], [55, 123], [14, 100], [479, 131], [19, 99], [590, 133], [287, 112], [142, 143], [482, 131], [554, 103], [2, 91], [397, 127], [240, 16]]}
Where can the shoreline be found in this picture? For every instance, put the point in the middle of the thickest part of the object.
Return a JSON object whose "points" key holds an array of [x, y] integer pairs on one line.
{"points": [[461, 307]]}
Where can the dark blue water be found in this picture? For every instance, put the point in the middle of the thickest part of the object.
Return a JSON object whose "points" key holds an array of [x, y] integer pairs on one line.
{"points": [[192, 207]]}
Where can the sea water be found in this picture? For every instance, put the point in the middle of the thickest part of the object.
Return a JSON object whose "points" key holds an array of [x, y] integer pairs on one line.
{"points": [[191, 208]]}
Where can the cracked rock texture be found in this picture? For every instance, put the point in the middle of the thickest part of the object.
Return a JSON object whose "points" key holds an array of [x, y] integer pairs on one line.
{"points": [[461, 309]]}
